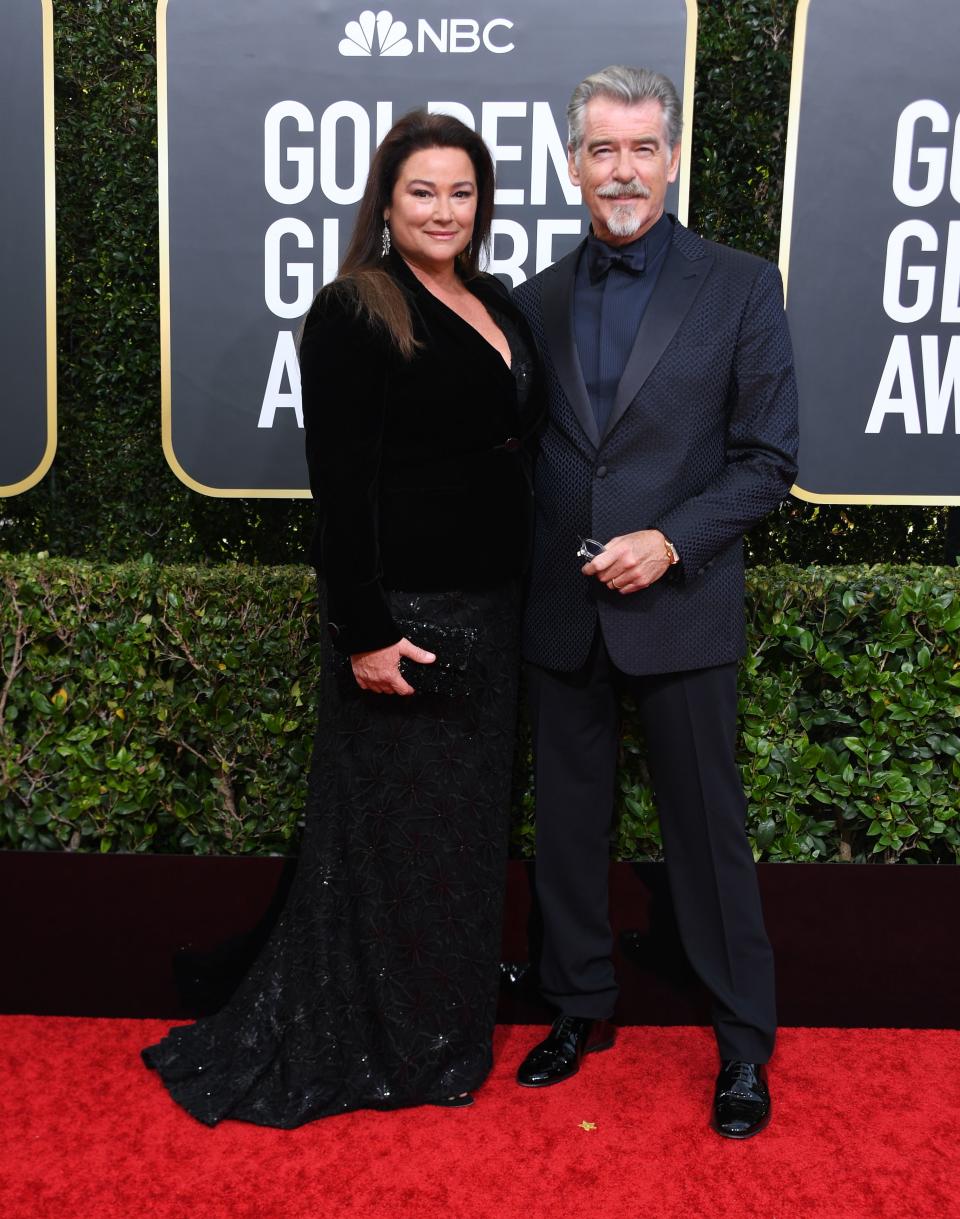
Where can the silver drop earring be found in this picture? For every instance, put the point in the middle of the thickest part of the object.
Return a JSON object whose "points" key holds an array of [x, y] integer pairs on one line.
{"points": [[385, 241]]}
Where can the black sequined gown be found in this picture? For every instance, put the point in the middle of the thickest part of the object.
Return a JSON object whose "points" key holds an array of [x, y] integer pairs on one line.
{"points": [[377, 988]]}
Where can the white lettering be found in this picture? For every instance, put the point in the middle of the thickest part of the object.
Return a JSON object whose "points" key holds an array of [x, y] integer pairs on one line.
{"points": [[347, 133], [955, 164], [937, 393], [923, 277], [545, 142], [353, 113], [425, 31], [940, 389], [301, 156], [950, 304], [906, 155], [464, 35], [501, 48], [898, 367], [512, 265], [331, 248], [492, 113], [275, 398], [274, 271]]}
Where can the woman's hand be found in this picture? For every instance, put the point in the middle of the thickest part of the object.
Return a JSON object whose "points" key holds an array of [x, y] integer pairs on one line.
{"points": [[379, 671]]}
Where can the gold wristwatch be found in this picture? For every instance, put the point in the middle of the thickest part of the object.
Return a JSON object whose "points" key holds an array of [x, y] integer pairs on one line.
{"points": [[670, 552]]}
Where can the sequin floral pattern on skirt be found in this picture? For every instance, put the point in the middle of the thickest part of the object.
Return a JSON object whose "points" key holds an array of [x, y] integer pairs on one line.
{"points": [[377, 988]]}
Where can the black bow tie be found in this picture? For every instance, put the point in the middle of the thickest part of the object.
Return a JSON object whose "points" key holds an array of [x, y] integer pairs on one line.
{"points": [[600, 258]]}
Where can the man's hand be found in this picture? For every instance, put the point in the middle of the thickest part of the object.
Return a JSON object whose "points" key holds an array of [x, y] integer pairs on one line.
{"points": [[379, 671], [630, 562]]}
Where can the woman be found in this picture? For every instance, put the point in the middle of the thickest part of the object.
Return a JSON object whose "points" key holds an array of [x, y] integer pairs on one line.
{"points": [[378, 986]]}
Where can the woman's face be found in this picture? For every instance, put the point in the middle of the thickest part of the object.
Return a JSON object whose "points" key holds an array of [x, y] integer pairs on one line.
{"points": [[433, 207]]}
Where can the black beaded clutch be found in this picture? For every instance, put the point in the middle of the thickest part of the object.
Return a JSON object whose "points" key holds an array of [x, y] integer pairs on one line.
{"points": [[455, 672]]}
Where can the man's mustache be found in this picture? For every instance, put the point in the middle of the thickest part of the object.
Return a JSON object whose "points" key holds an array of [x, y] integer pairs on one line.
{"points": [[634, 189]]}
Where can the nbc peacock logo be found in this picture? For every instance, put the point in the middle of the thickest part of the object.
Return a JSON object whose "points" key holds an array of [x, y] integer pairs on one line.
{"points": [[375, 30]]}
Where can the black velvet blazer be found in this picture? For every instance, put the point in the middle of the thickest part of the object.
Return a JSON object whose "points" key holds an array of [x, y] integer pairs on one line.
{"points": [[415, 466]]}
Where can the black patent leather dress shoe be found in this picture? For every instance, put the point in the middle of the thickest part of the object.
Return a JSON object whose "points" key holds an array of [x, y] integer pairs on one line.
{"points": [[741, 1102], [558, 1056]]}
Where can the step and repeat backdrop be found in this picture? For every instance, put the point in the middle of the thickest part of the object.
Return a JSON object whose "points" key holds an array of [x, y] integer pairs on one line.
{"points": [[27, 317], [871, 249], [269, 117]]}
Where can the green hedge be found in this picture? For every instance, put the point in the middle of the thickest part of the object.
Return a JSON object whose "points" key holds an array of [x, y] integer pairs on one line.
{"points": [[149, 708], [169, 709]]}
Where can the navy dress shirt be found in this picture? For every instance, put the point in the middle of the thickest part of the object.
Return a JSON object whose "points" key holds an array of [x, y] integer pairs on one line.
{"points": [[612, 289]]}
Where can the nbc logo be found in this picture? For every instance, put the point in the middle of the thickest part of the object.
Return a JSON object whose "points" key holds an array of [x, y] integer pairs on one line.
{"points": [[378, 34], [391, 35]]}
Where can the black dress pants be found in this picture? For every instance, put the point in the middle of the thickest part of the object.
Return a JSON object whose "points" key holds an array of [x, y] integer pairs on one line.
{"points": [[689, 720]]}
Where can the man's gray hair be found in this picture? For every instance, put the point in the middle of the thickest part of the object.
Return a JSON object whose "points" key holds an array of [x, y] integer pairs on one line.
{"points": [[630, 86]]}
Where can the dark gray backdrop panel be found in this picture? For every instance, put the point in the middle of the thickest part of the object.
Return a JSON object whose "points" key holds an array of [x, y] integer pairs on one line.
{"points": [[23, 314], [864, 62], [227, 63]]}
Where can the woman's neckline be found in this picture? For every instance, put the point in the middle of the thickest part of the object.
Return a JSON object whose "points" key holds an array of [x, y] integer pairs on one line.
{"points": [[424, 284]]}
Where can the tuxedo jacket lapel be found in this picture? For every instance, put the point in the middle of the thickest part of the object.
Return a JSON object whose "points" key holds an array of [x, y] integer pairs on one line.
{"points": [[561, 341], [680, 279]]}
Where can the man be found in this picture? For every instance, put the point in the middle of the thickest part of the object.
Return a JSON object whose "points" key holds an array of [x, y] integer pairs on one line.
{"points": [[672, 430]]}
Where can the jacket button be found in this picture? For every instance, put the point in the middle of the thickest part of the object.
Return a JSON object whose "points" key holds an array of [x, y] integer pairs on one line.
{"points": [[600, 471]]}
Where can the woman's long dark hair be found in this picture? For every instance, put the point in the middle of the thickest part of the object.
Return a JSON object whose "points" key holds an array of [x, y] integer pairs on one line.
{"points": [[377, 292]]}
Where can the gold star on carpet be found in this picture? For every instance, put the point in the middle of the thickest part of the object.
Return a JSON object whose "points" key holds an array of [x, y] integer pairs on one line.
{"points": [[588, 1125]]}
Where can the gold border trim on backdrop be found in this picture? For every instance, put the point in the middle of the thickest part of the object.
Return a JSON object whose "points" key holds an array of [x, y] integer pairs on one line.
{"points": [[793, 136], [164, 235], [686, 139], [50, 259], [786, 233], [689, 70]]}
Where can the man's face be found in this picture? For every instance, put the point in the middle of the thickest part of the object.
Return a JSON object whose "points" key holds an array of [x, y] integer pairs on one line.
{"points": [[623, 167]]}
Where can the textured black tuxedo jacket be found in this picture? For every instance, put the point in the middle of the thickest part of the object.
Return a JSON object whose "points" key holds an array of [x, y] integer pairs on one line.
{"points": [[701, 444]]}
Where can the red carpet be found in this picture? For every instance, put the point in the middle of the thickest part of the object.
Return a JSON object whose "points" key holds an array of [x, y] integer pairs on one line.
{"points": [[866, 1125]]}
